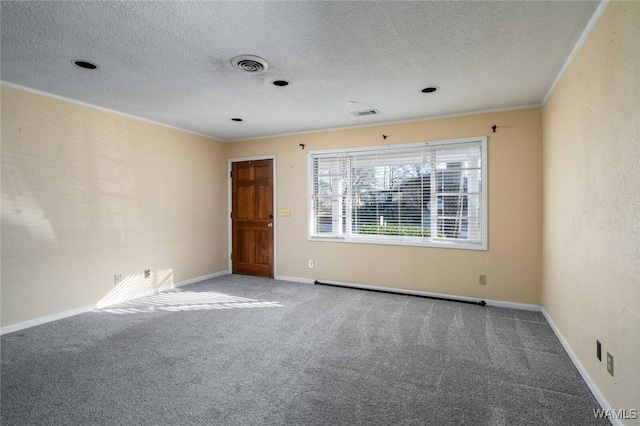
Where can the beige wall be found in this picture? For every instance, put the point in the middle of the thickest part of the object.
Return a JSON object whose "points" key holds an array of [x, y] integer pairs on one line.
{"points": [[591, 172], [87, 194], [512, 263]]}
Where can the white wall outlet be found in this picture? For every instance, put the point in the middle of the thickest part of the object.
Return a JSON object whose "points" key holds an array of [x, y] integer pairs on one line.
{"points": [[610, 363], [482, 279], [117, 278], [311, 264]]}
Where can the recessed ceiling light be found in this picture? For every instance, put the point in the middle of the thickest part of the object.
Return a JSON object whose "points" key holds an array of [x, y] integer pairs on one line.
{"points": [[84, 64], [352, 103], [280, 83], [237, 119], [430, 89]]}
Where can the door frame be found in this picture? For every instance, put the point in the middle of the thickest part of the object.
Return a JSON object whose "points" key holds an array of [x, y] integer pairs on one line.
{"points": [[230, 161]]}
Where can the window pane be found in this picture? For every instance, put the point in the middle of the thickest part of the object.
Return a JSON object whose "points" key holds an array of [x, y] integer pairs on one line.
{"points": [[387, 193], [402, 194], [329, 185]]}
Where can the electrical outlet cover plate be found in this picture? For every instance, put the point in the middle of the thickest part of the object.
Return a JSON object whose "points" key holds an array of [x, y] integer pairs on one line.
{"points": [[610, 363]]}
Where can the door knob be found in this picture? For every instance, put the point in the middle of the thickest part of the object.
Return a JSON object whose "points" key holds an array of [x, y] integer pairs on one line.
{"points": [[270, 225]]}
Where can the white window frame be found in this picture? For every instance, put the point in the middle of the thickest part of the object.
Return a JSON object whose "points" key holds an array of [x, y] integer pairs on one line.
{"points": [[398, 240]]}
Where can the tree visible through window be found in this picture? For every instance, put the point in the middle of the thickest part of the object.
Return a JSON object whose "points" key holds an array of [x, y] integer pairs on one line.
{"points": [[423, 194]]}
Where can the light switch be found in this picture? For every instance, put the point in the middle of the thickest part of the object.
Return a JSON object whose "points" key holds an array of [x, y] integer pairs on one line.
{"points": [[284, 212]]}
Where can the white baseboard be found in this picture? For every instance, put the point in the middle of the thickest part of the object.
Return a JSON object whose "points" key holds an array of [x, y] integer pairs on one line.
{"points": [[497, 303], [583, 371], [202, 278], [513, 305], [43, 320], [294, 279], [77, 311]]}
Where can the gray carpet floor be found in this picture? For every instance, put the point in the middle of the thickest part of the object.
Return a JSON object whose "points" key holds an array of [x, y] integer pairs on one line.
{"points": [[241, 350]]}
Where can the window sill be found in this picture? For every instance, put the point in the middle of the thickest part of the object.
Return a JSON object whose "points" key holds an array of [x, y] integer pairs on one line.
{"points": [[401, 242]]}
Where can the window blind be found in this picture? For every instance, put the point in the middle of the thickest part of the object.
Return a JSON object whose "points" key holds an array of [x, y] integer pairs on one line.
{"points": [[426, 194]]}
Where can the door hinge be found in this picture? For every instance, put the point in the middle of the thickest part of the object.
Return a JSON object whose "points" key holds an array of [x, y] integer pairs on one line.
{"points": [[231, 255], [230, 174], [231, 215]]}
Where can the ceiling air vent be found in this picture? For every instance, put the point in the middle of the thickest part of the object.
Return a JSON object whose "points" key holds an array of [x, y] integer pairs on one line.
{"points": [[366, 112], [250, 63]]}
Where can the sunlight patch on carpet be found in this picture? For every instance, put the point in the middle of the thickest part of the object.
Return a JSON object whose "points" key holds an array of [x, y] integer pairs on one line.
{"points": [[177, 300]]}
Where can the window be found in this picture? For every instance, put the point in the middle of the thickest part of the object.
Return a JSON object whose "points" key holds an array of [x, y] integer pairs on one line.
{"points": [[427, 194]]}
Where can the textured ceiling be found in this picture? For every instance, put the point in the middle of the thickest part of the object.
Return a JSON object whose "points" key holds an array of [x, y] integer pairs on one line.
{"points": [[170, 61]]}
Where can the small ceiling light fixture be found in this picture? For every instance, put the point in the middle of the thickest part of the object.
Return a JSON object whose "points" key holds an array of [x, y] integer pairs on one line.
{"points": [[84, 64], [352, 103], [430, 89], [250, 63], [236, 119], [281, 83]]}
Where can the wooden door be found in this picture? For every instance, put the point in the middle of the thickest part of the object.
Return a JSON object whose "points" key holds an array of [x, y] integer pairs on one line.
{"points": [[252, 218]]}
